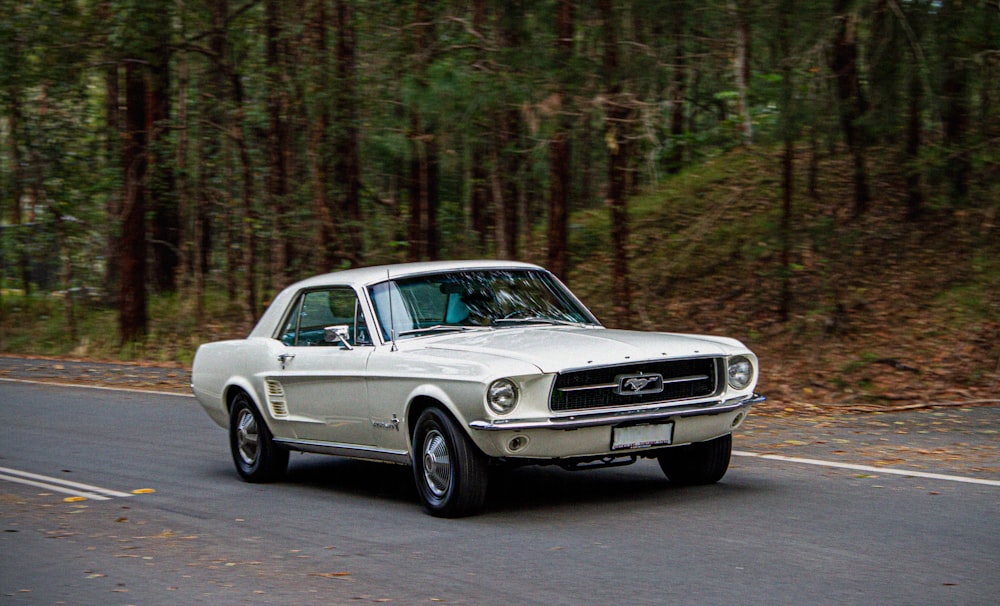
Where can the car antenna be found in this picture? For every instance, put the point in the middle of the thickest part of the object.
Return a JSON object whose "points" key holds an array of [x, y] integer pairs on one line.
{"points": [[392, 317]]}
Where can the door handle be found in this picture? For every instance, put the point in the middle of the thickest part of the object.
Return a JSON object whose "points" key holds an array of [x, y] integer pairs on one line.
{"points": [[284, 358]]}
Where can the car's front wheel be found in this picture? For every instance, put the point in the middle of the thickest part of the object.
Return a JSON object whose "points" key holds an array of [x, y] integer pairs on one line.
{"points": [[700, 463], [257, 457], [450, 472]]}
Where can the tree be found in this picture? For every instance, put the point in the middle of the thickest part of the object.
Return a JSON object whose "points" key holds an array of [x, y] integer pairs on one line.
{"points": [[278, 143], [852, 102], [133, 320], [955, 85], [423, 165], [617, 123], [348, 168], [162, 184], [559, 152]]}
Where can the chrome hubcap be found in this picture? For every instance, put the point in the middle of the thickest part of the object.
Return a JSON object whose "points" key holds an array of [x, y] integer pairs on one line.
{"points": [[247, 437], [437, 463]]}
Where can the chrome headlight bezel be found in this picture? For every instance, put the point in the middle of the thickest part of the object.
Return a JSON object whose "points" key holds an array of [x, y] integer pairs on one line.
{"points": [[502, 396], [739, 372]]}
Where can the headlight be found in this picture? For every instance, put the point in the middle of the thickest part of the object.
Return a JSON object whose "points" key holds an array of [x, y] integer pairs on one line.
{"points": [[740, 372], [502, 396]]}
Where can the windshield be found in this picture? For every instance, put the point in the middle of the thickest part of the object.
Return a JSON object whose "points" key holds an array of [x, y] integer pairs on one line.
{"points": [[472, 300]]}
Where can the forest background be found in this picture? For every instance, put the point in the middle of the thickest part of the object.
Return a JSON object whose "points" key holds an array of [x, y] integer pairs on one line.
{"points": [[820, 179]]}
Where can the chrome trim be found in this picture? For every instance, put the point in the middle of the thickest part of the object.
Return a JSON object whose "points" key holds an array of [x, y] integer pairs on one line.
{"points": [[368, 453], [587, 387], [690, 379], [594, 420]]}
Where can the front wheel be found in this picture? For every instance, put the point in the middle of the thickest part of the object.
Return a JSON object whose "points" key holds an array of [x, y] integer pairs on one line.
{"points": [[450, 473], [257, 458], [695, 464]]}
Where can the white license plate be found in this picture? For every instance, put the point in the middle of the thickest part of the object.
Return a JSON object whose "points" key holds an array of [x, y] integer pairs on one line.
{"points": [[639, 436]]}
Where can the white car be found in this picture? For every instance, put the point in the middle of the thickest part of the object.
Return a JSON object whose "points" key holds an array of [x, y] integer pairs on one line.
{"points": [[456, 367]]}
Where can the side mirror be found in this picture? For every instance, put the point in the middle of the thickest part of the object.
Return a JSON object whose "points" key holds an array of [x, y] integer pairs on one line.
{"points": [[338, 332]]}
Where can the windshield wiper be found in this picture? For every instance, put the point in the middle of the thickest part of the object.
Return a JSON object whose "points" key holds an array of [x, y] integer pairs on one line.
{"points": [[439, 328], [536, 320]]}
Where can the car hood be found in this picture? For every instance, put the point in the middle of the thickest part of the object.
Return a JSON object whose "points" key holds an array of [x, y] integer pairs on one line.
{"points": [[553, 349]]}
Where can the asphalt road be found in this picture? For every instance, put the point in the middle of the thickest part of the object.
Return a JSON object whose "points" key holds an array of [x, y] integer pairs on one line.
{"points": [[178, 527]]}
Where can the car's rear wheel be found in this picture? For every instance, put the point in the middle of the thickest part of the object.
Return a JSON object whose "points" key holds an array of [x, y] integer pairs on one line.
{"points": [[450, 472], [257, 457], [700, 463]]}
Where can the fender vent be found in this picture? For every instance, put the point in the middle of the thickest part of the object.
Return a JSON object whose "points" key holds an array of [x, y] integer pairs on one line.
{"points": [[276, 398]]}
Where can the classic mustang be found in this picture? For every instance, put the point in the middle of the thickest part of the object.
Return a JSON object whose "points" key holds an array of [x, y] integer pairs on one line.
{"points": [[456, 367]]}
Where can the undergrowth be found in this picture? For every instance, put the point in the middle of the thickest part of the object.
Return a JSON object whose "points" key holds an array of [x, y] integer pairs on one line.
{"points": [[883, 308]]}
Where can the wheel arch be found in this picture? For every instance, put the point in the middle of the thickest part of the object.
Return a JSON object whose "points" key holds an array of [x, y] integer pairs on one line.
{"points": [[236, 386], [421, 400]]}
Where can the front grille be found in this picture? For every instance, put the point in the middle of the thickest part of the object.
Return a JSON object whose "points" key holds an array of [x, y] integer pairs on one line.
{"points": [[603, 387]]}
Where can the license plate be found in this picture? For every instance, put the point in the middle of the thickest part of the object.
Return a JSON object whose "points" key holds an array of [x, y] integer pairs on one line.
{"points": [[639, 436]]}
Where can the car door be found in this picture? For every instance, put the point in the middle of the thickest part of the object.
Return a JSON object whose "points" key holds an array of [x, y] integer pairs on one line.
{"points": [[321, 377]]}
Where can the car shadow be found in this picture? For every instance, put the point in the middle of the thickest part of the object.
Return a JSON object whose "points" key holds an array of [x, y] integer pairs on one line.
{"points": [[351, 476], [534, 489]]}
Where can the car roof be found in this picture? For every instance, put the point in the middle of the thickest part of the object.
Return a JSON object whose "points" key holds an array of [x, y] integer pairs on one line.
{"points": [[363, 276]]}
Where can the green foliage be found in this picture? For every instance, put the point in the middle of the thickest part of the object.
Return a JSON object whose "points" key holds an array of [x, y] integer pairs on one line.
{"points": [[476, 76]]}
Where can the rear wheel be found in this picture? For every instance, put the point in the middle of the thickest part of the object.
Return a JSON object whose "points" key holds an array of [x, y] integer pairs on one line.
{"points": [[450, 472], [700, 463], [257, 457]]}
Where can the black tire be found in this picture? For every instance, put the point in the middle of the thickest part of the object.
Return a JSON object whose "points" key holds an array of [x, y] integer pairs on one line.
{"points": [[696, 464], [450, 472], [258, 459]]}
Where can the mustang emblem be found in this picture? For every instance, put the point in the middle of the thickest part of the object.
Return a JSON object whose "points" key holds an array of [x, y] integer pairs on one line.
{"points": [[631, 385]]}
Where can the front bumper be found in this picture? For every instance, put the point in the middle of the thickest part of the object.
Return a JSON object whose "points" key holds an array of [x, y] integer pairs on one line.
{"points": [[578, 421], [584, 435]]}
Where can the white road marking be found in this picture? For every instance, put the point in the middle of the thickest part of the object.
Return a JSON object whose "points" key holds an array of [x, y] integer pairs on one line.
{"points": [[101, 387], [868, 468], [59, 485]]}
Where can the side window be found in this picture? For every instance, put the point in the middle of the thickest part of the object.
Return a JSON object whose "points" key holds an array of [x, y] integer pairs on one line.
{"points": [[316, 310]]}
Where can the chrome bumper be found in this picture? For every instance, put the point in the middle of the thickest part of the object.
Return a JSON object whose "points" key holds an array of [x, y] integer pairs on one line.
{"points": [[597, 419]]}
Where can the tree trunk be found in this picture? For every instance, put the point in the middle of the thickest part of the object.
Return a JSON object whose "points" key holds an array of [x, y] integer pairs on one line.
{"points": [[509, 170], [113, 205], [324, 207], [741, 68], [417, 191], [132, 295], [184, 232], [500, 205], [616, 123], [423, 189], [559, 153], [479, 202], [853, 106], [675, 160], [277, 145], [162, 183], [14, 120], [249, 235], [787, 190], [66, 257], [914, 194], [955, 100], [348, 144], [479, 199]]}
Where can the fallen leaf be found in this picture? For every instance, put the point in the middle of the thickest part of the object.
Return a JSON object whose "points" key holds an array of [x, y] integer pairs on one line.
{"points": [[330, 575]]}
